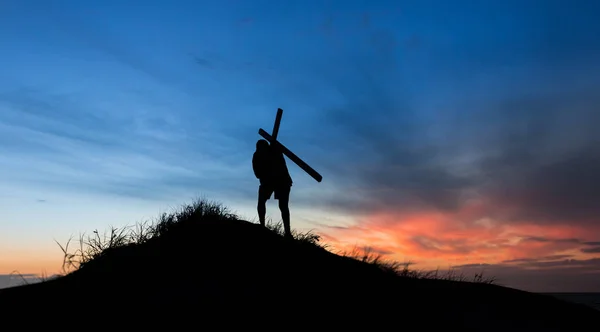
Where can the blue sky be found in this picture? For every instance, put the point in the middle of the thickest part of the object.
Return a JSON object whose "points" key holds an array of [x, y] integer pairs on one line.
{"points": [[112, 112]]}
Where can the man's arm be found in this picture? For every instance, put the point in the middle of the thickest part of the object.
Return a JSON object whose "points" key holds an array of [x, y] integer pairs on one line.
{"points": [[283, 167], [256, 166]]}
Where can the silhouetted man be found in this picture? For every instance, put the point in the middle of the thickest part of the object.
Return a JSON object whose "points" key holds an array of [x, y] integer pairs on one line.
{"points": [[270, 168]]}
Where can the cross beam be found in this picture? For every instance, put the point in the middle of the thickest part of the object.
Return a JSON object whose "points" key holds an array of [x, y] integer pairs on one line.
{"points": [[277, 122], [292, 156], [273, 141]]}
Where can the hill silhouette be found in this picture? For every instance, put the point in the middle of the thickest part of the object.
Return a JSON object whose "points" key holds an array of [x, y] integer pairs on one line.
{"points": [[202, 266]]}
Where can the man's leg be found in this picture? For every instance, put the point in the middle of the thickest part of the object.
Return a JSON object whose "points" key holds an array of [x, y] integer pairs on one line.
{"points": [[263, 195], [284, 198], [262, 211]]}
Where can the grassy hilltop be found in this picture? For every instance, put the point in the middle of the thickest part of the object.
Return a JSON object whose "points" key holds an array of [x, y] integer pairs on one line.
{"points": [[201, 266]]}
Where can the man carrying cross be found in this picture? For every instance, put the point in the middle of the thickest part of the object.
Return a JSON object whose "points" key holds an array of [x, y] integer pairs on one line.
{"points": [[270, 168]]}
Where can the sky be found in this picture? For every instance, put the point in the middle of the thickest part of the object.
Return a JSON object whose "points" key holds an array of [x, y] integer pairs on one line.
{"points": [[449, 134]]}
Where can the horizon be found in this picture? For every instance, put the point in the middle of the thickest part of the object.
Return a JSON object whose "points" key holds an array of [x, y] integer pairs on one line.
{"points": [[447, 134]]}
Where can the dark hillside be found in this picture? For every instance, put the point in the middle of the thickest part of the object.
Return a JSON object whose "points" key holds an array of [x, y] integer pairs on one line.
{"points": [[208, 268]]}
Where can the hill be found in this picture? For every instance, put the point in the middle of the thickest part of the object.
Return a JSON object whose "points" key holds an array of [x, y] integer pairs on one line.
{"points": [[202, 266]]}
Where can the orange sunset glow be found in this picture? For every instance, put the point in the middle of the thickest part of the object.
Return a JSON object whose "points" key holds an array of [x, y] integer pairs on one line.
{"points": [[434, 240]]}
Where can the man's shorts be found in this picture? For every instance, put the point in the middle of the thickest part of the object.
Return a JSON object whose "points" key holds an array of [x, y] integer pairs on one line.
{"points": [[281, 192]]}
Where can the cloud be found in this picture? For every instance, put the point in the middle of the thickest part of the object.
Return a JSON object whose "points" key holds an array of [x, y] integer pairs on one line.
{"points": [[531, 260], [521, 172], [434, 239], [557, 258], [16, 279], [591, 250], [508, 253], [63, 141], [540, 275], [515, 152]]}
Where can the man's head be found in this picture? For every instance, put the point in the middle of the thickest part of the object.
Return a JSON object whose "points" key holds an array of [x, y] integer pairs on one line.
{"points": [[262, 145]]}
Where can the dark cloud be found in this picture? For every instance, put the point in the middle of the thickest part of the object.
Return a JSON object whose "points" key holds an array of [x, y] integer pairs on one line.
{"points": [[533, 260], [398, 168], [463, 246], [550, 240], [203, 62], [564, 189], [376, 145], [591, 250], [567, 275], [529, 156]]}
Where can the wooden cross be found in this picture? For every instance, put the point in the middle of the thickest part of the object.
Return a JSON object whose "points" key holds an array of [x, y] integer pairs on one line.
{"points": [[273, 140]]}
